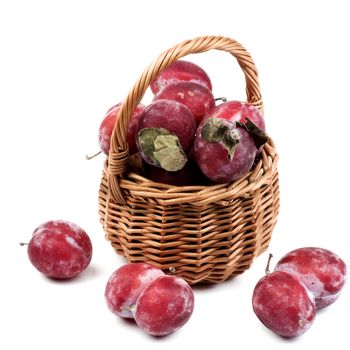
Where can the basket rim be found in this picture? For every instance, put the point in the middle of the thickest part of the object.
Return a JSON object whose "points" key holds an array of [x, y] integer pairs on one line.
{"points": [[138, 186]]}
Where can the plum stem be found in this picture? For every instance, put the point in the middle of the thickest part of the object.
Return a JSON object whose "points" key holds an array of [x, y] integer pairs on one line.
{"points": [[23, 243], [267, 269], [130, 308], [223, 99], [93, 156]]}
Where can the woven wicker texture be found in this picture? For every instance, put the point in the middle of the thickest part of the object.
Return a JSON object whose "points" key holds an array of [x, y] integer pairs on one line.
{"points": [[201, 233]]}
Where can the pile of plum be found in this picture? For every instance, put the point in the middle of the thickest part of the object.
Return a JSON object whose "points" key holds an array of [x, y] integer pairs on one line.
{"points": [[183, 137]]}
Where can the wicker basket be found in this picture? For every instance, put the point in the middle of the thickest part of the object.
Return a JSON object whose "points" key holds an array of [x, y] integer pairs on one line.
{"points": [[201, 233]]}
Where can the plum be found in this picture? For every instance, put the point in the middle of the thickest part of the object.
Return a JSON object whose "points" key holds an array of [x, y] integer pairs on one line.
{"points": [[125, 286], [196, 97], [245, 114], [284, 304], [164, 306], [107, 125], [239, 111], [223, 150], [181, 71], [322, 271], [166, 134], [60, 249]]}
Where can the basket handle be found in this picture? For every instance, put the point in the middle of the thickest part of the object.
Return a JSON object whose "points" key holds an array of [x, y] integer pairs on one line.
{"points": [[118, 155]]}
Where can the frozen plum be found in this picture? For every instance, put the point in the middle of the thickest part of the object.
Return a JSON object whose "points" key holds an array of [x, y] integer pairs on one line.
{"points": [[284, 304], [107, 125], [164, 306], [60, 249], [223, 150], [197, 98], [166, 134], [181, 71], [323, 272], [125, 286]]}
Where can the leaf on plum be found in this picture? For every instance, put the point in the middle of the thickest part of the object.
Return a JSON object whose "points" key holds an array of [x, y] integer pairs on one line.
{"points": [[217, 130], [259, 136], [163, 148]]}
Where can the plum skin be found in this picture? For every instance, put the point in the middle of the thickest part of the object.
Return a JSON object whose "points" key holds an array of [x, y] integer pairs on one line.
{"points": [[239, 111], [126, 284], [60, 249], [107, 126], [164, 306], [172, 116], [323, 272], [213, 160], [166, 133], [181, 70], [284, 304], [196, 97]]}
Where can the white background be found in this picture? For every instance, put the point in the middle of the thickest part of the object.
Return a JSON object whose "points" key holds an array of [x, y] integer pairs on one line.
{"points": [[64, 63]]}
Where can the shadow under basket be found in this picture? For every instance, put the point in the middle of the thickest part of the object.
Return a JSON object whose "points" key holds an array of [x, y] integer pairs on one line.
{"points": [[201, 233]]}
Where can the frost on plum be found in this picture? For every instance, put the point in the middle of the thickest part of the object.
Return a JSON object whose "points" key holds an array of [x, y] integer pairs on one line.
{"points": [[322, 271], [224, 151], [164, 306], [60, 249], [166, 133], [197, 98], [283, 304], [181, 71], [237, 111], [108, 123], [125, 286]]}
